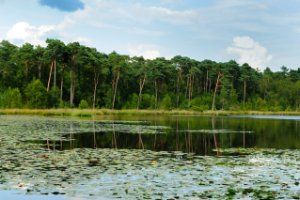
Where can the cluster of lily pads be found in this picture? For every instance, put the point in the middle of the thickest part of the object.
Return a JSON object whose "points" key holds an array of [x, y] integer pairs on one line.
{"points": [[144, 174], [238, 173], [30, 128]]}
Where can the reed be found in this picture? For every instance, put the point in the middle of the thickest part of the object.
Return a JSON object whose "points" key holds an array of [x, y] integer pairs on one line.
{"points": [[95, 112]]}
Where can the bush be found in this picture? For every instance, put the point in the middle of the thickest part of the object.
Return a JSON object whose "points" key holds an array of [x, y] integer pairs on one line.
{"points": [[11, 98], [54, 97], [132, 102], [83, 104], [166, 102], [148, 101], [201, 103], [36, 94]]}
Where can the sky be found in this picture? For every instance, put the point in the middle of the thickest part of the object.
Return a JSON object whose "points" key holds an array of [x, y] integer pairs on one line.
{"points": [[263, 33]]}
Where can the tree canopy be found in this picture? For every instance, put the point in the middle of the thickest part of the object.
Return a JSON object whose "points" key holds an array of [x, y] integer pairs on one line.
{"points": [[66, 75]]}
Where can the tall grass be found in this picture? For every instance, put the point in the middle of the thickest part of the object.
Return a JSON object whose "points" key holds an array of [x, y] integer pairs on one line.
{"points": [[95, 112]]}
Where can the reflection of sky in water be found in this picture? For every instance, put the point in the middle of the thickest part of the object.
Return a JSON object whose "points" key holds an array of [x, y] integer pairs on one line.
{"points": [[279, 117], [17, 195]]}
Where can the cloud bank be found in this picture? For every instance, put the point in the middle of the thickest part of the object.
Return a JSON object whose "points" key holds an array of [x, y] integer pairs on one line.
{"points": [[22, 32], [146, 50], [250, 51], [63, 5]]}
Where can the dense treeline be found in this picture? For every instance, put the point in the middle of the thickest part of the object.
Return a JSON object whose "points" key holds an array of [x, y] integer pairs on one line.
{"points": [[73, 75]]}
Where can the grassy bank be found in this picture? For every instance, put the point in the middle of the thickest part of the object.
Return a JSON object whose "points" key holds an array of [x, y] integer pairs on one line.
{"points": [[95, 112]]}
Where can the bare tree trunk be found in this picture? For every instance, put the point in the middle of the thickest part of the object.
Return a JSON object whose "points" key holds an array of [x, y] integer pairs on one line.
{"points": [[141, 84], [72, 88], [40, 71], [206, 83], [156, 93], [178, 89], [96, 82], [26, 70], [187, 87], [115, 87], [213, 107], [50, 74], [62, 83], [54, 74], [191, 88], [245, 88]]}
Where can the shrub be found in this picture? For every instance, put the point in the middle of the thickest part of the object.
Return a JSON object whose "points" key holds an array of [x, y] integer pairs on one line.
{"points": [[201, 103], [166, 102], [83, 104], [54, 97], [11, 98], [36, 94], [148, 101], [132, 102]]}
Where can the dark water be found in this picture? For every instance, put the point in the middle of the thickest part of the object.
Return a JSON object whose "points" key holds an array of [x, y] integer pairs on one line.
{"points": [[83, 158], [199, 135]]}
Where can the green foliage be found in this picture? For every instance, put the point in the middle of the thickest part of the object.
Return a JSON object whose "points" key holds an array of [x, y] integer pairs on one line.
{"points": [[11, 98], [115, 80], [148, 101], [201, 103], [36, 94], [132, 102], [83, 104], [166, 102], [54, 95]]}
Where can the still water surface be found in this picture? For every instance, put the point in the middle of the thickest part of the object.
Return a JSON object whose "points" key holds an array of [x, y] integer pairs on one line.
{"points": [[150, 157], [199, 135]]}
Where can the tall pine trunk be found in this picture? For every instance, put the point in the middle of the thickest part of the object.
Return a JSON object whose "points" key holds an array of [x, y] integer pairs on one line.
{"points": [[40, 71], [62, 83], [245, 90], [54, 74], [156, 93], [115, 87], [213, 107], [96, 82], [141, 84], [72, 88], [50, 75], [206, 82], [178, 89]]}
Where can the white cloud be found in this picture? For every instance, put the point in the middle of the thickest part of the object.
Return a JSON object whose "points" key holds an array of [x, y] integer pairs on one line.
{"points": [[250, 51], [22, 32], [145, 50], [155, 13], [110, 14]]}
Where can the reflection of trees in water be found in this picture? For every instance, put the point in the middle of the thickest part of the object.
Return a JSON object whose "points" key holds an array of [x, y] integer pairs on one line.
{"points": [[114, 139], [177, 134], [189, 135], [213, 127], [94, 135], [71, 136], [244, 134], [155, 138], [141, 144], [188, 139]]}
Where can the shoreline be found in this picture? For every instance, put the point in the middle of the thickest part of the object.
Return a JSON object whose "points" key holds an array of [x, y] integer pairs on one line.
{"points": [[99, 112]]}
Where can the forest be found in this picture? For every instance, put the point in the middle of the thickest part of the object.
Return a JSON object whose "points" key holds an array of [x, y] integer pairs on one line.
{"points": [[73, 75]]}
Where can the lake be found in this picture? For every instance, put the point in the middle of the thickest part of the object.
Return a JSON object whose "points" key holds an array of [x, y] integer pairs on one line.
{"points": [[150, 157]]}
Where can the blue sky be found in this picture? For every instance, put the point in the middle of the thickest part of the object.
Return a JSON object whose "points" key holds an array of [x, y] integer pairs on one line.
{"points": [[264, 33]]}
